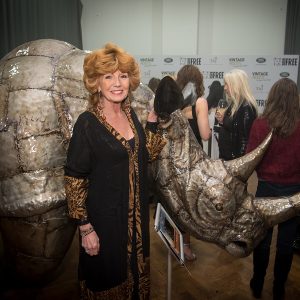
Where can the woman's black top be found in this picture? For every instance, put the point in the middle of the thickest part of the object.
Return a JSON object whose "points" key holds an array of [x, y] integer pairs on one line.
{"points": [[234, 132], [194, 125]]}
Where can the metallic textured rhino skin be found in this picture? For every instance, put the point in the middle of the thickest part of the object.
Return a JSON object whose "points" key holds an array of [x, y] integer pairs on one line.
{"points": [[208, 198], [142, 102], [41, 96]]}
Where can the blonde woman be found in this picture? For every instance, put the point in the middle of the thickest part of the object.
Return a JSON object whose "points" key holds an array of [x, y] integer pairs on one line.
{"points": [[237, 119]]}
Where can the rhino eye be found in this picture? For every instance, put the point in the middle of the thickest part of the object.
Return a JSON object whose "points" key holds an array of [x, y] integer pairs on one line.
{"points": [[219, 207]]}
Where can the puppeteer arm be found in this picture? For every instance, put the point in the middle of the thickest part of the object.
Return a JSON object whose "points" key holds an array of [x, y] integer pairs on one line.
{"points": [[76, 193], [154, 138]]}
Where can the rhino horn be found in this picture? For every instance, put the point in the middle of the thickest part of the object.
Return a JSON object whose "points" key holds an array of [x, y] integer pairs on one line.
{"points": [[276, 210], [244, 166]]}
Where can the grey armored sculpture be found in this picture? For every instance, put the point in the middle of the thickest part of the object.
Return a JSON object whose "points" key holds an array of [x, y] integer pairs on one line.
{"points": [[41, 96]]}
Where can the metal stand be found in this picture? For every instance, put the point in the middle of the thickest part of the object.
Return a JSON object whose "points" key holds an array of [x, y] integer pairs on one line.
{"points": [[169, 275], [173, 239]]}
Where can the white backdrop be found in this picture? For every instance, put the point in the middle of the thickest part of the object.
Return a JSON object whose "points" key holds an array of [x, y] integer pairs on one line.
{"points": [[263, 71]]}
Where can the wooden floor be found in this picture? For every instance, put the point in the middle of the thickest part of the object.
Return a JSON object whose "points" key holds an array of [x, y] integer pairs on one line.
{"points": [[214, 275]]}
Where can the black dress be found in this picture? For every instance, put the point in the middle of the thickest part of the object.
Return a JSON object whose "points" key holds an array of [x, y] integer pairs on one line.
{"points": [[106, 180], [194, 125]]}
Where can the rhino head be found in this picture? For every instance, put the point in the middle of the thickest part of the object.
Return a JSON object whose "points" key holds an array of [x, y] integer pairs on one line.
{"points": [[209, 198]]}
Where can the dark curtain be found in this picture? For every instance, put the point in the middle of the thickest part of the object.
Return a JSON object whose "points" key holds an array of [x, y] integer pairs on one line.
{"points": [[27, 20], [292, 31]]}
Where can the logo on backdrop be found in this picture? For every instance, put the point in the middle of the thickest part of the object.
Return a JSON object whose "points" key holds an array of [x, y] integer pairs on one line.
{"points": [[260, 102], [285, 61], [168, 73], [237, 61], [213, 75], [284, 74], [261, 76], [168, 60], [147, 73], [261, 60], [259, 88], [215, 60], [147, 61], [190, 61]]}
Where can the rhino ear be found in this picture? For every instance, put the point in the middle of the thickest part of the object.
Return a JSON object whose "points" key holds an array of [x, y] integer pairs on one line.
{"points": [[244, 166]]}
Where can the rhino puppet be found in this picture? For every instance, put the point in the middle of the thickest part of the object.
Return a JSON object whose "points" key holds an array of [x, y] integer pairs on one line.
{"points": [[208, 198]]}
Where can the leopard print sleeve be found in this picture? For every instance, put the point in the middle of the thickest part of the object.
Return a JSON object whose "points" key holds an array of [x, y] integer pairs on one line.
{"points": [[154, 143], [76, 192]]}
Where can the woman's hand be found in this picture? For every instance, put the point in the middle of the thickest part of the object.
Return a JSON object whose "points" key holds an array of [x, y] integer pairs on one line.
{"points": [[219, 116], [89, 239]]}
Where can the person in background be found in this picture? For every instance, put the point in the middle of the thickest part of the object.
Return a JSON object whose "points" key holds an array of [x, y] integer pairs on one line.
{"points": [[278, 175], [236, 121], [195, 108], [190, 81], [105, 180], [216, 92], [153, 84], [168, 98]]}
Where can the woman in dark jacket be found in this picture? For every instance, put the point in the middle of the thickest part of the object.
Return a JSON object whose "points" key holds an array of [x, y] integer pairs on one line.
{"points": [[237, 119]]}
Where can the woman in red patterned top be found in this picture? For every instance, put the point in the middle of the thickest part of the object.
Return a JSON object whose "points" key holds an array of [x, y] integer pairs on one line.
{"points": [[278, 175]]}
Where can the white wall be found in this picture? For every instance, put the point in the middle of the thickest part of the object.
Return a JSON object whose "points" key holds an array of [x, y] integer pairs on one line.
{"points": [[127, 23], [190, 27]]}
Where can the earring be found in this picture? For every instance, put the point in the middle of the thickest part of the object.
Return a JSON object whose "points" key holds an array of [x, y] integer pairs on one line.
{"points": [[99, 102], [99, 94], [126, 105]]}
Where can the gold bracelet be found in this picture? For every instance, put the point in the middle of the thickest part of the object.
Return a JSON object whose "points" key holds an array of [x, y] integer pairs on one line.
{"points": [[86, 232]]}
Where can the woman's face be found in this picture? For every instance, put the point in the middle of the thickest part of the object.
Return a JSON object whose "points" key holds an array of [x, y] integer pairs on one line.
{"points": [[226, 88], [114, 86]]}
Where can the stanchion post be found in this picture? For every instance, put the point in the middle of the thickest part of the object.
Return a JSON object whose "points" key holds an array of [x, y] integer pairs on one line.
{"points": [[169, 293]]}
